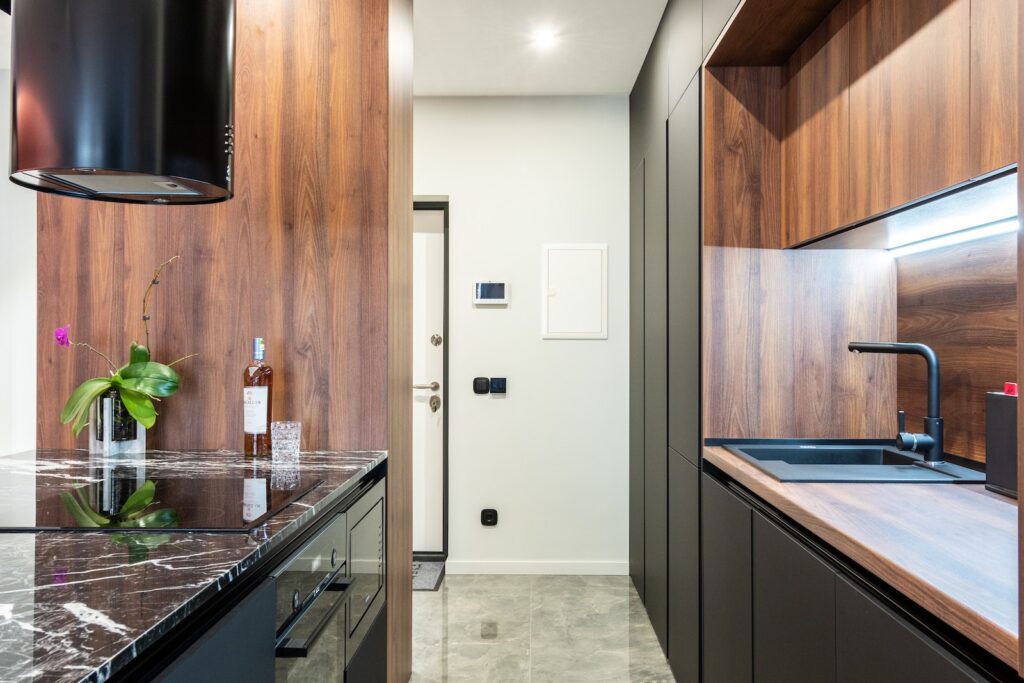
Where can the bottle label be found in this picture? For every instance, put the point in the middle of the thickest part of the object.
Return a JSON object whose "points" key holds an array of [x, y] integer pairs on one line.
{"points": [[255, 400]]}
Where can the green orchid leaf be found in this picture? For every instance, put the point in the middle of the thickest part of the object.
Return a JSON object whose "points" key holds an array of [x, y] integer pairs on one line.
{"points": [[154, 379], [139, 500], [77, 407], [77, 512], [140, 406], [139, 354], [87, 509], [158, 519]]}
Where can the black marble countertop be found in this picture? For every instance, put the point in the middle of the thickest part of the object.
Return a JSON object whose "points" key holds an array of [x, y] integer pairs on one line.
{"points": [[77, 605]]}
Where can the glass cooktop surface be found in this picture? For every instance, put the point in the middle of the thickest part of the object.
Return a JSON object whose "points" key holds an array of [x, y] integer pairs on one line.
{"points": [[78, 492]]}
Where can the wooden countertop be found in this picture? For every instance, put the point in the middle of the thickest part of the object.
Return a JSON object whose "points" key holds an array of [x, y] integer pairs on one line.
{"points": [[951, 548]]}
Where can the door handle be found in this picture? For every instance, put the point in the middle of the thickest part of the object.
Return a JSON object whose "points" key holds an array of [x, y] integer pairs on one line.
{"points": [[433, 386]]}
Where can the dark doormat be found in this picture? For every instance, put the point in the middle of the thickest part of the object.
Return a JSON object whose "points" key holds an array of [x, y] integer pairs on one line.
{"points": [[427, 576]]}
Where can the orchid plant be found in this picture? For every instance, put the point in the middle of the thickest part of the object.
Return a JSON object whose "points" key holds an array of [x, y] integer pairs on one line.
{"points": [[139, 383]]}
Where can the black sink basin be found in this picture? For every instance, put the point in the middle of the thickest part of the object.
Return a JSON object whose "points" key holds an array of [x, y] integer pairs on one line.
{"points": [[796, 461]]}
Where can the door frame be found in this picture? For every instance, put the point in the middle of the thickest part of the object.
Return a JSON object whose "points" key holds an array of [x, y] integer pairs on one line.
{"points": [[426, 556]]}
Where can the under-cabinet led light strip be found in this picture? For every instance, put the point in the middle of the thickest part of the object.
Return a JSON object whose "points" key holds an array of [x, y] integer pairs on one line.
{"points": [[980, 232]]}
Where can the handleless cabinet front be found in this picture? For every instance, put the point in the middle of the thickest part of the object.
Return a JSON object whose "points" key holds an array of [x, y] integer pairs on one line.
{"points": [[873, 644], [794, 609], [726, 586]]}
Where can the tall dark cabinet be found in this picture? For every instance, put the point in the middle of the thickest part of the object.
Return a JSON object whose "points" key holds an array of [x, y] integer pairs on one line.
{"points": [[665, 243], [636, 375]]}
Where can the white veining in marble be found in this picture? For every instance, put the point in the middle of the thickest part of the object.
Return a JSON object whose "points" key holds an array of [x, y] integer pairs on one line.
{"points": [[79, 605]]}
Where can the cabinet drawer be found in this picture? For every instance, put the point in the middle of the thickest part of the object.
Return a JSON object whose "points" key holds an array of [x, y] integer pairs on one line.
{"points": [[875, 645]]}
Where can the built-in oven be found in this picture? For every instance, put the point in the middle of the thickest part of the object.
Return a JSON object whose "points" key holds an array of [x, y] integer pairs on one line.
{"points": [[366, 565], [330, 592], [312, 594]]}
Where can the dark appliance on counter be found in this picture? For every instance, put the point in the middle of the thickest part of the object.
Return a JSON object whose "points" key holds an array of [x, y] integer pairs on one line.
{"points": [[1001, 441], [330, 594], [124, 100]]}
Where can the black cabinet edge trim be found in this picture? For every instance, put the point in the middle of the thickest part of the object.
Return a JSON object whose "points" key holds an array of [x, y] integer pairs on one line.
{"points": [[157, 657], [967, 651]]}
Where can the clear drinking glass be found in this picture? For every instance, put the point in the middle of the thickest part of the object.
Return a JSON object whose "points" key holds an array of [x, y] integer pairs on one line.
{"points": [[284, 441]]}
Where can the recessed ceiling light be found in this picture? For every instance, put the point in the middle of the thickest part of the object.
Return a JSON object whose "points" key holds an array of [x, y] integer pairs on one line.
{"points": [[545, 38]]}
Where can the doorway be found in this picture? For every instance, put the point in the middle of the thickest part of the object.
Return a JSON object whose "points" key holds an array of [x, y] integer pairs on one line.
{"points": [[429, 392]]}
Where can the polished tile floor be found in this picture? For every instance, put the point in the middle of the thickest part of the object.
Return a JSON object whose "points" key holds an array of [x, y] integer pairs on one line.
{"points": [[534, 628]]}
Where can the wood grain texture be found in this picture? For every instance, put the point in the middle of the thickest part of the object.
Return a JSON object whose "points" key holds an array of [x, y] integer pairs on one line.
{"points": [[742, 163], [961, 301], [400, 212], [909, 100], [949, 548], [775, 332], [299, 256], [816, 145], [1020, 334], [994, 84], [748, 42]]}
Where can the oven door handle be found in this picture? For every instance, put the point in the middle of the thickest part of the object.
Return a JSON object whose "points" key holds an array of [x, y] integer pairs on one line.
{"points": [[300, 647]]}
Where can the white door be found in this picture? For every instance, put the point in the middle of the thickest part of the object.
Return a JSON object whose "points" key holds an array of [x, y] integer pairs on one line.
{"points": [[428, 374]]}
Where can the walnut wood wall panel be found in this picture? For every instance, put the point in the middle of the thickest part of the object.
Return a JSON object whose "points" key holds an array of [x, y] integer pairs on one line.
{"points": [[994, 78], [816, 149], [961, 301], [776, 326], [1020, 339], [743, 126], [909, 100], [400, 206], [299, 256]]}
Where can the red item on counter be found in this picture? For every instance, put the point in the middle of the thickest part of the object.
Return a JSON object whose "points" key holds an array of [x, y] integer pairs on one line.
{"points": [[1010, 388]]}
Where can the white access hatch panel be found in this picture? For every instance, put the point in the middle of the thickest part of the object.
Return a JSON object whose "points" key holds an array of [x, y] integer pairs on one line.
{"points": [[574, 291]]}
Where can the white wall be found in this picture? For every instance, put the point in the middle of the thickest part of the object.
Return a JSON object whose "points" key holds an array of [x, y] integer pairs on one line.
{"points": [[17, 295], [552, 457]]}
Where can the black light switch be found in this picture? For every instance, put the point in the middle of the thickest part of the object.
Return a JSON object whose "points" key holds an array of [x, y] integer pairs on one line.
{"points": [[498, 385], [481, 385], [489, 517]]}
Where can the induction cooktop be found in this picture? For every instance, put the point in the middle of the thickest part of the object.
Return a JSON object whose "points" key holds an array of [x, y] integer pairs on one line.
{"points": [[131, 497]]}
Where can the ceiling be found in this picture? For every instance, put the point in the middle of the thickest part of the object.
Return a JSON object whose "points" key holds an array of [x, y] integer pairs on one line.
{"points": [[487, 47]]}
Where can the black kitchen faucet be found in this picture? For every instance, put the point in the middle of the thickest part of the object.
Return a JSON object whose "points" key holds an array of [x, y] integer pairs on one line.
{"points": [[929, 443]]}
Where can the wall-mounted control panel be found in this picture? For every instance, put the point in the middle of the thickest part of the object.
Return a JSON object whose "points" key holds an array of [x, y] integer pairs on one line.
{"points": [[490, 294], [490, 385]]}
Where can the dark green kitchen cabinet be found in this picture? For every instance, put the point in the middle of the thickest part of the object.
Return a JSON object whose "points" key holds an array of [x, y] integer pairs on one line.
{"points": [[683, 568], [656, 391], [716, 16], [636, 377], [648, 105], [726, 585], [874, 644], [684, 249], [682, 21], [794, 609]]}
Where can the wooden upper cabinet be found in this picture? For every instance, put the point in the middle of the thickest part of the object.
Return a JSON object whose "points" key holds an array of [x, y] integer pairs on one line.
{"points": [[909, 100], [994, 66], [816, 150]]}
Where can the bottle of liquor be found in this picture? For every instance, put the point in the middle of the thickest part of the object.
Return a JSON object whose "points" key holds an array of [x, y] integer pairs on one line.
{"points": [[257, 398]]}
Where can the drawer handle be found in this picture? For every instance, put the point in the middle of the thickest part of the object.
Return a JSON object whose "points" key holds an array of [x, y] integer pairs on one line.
{"points": [[289, 647]]}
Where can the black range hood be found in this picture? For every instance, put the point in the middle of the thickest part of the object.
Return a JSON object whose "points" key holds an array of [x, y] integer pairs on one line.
{"points": [[124, 100]]}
